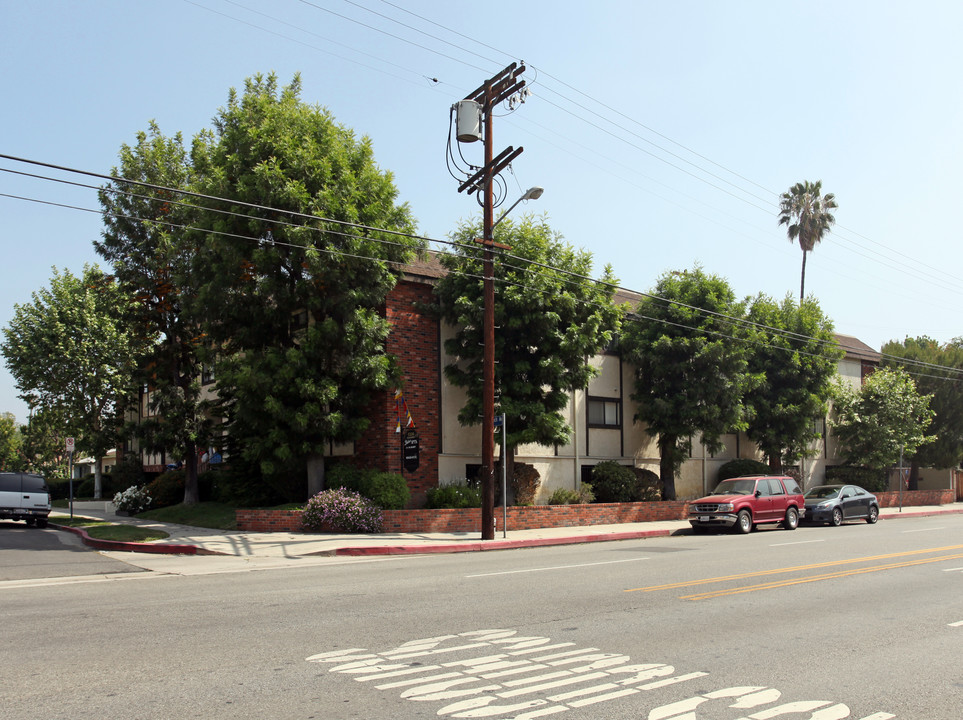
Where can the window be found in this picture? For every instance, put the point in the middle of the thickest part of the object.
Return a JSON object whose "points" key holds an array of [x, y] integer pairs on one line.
{"points": [[604, 412], [776, 488], [207, 374]]}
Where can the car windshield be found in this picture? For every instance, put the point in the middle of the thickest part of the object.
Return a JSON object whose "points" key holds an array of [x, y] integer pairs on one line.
{"points": [[823, 493], [735, 487]]}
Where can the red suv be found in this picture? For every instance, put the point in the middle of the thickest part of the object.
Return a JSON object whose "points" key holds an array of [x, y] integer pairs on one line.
{"points": [[745, 502]]}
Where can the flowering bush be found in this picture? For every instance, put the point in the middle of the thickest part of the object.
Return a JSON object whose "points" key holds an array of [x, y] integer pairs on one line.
{"points": [[132, 500], [341, 510]]}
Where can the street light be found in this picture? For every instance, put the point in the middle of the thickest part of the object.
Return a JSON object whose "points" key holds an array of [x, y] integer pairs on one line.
{"points": [[533, 193]]}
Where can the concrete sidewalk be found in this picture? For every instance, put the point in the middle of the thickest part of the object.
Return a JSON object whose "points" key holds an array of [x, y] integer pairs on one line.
{"points": [[187, 540]]}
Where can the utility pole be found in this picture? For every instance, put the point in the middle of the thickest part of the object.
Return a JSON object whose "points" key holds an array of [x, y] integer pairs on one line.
{"points": [[488, 96]]}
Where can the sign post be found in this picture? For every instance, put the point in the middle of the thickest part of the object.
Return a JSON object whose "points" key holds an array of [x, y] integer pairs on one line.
{"points": [[500, 423], [70, 472]]}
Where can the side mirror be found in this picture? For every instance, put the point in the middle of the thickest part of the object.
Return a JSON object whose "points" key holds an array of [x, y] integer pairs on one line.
{"points": [[758, 493]]}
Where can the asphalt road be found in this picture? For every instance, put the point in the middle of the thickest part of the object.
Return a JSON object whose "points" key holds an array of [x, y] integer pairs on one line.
{"points": [[861, 621]]}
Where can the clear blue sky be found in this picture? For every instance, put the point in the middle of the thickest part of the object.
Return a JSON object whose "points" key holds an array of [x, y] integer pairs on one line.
{"points": [[662, 133]]}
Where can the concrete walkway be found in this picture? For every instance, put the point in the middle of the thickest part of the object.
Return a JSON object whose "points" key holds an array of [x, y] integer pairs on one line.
{"points": [[187, 540]]}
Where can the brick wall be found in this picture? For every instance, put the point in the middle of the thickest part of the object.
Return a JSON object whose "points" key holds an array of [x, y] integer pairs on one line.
{"points": [[415, 342], [469, 520], [916, 497]]}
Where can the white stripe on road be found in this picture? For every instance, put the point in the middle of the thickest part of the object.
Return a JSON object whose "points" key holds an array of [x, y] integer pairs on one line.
{"points": [[905, 532], [557, 567], [952, 569], [800, 542], [957, 624]]}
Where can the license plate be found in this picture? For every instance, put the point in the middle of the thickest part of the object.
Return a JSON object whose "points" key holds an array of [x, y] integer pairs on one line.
{"points": [[704, 518]]}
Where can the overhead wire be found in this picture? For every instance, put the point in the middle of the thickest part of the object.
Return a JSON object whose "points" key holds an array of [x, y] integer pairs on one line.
{"points": [[735, 322]]}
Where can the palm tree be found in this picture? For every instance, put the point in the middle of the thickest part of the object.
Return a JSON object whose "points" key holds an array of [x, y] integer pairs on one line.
{"points": [[809, 217]]}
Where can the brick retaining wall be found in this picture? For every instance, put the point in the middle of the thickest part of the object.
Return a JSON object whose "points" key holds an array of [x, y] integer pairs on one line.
{"points": [[916, 497], [539, 516], [469, 520]]}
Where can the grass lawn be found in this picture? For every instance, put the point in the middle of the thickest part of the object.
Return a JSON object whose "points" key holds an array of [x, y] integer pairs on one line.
{"points": [[217, 516], [104, 530]]}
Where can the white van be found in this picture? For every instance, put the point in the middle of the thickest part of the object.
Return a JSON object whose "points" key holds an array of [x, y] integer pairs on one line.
{"points": [[24, 496]]}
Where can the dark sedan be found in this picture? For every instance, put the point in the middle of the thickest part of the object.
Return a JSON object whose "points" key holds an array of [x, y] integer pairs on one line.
{"points": [[836, 503]]}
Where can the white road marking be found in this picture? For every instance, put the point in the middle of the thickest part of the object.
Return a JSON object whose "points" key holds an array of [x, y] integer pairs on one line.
{"points": [[548, 681], [952, 569], [957, 624], [557, 567], [800, 542], [906, 532]]}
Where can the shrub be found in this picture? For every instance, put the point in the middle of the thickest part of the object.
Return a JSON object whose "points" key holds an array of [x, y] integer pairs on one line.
{"points": [[341, 510], [525, 484], [585, 493], [129, 471], [738, 468], [454, 496], [614, 483], [132, 500], [563, 496], [649, 485], [387, 490], [167, 488], [867, 478]]}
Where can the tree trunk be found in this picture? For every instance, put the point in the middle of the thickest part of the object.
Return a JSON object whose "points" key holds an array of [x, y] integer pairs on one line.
{"points": [[667, 451], [914, 476], [775, 462], [98, 480], [315, 474], [192, 494], [802, 280]]}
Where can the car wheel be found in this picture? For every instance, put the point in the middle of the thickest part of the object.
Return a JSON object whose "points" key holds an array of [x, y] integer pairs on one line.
{"points": [[744, 522], [31, 522], [837, 517], [873, 514], [41, 522], [792, 519]]}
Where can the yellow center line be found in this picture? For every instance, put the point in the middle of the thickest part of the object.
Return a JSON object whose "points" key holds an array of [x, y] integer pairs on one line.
{"points": [[797, 568], [815, 578]]}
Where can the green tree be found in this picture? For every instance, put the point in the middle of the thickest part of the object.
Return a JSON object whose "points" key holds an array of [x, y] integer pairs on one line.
{"points": [[70, 353], [44, 443], [690, 372], [152, 253], [550, 319], [925, 359], [807, 214], [883, 419], [795, 357], [11, 444], [293, 283]]}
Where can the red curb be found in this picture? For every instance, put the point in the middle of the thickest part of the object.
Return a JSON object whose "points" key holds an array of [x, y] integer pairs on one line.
{"points": [[99, 544], [481, 545], [918, 513]]}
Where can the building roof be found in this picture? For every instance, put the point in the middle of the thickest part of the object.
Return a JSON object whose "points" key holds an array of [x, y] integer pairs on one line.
{"points": [[856, 349], [429, 267]]}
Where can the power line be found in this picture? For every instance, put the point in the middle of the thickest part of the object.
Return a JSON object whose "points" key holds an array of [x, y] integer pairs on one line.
{"points": [[574, 277]]}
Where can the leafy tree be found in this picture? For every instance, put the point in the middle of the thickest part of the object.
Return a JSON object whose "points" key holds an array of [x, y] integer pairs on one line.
{"points": [[152, 253], [550, 319], [922, 357], [293, 282], [11, 444], [881, 420], [44, 444], [690, 374], [69, 352], [807, 215], [795, 358]]}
